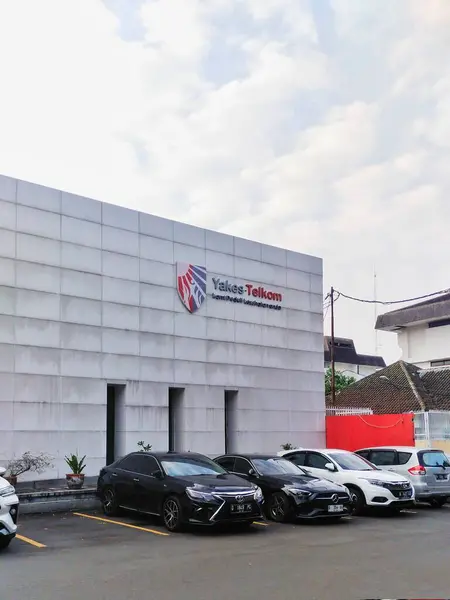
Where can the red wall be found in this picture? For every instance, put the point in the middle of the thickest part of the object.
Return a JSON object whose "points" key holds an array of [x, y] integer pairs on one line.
{"points": [[359, 431]]}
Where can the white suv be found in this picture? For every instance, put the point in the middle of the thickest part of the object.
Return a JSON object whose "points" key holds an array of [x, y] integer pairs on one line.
{"points": [[370, 485], [428, 469], [9, 510]]}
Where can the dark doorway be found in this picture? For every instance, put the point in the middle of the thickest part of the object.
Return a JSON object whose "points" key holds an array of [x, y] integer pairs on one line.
{"points": [[175, 414], [115, 407], [230, 407]]}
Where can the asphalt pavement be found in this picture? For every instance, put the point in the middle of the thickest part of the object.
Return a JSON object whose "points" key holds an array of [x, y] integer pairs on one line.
{"points": [[83, 556]]}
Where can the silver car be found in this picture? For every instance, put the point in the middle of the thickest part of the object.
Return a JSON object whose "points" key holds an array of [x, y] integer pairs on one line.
{"points": [[428, 469]]}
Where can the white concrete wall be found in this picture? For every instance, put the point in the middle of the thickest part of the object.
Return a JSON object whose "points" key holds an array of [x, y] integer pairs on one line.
{"points": [[420, 344], [88, 296]]}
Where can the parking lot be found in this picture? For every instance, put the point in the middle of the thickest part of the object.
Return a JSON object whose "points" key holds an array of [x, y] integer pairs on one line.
{"points": [[69, 556]]}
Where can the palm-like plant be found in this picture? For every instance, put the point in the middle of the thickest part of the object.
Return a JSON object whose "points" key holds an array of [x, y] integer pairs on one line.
{"points": [[75, 463]]}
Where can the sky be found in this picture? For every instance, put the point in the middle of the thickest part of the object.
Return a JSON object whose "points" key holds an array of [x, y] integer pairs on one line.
{"points": [[322, 126]]}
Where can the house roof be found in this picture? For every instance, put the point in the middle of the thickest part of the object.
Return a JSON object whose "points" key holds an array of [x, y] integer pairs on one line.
{"points": [[345, 352], [399, 388], [433, 309]]}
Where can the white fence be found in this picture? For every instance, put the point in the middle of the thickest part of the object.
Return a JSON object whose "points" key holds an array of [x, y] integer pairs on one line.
{"points": [[342, 411]]}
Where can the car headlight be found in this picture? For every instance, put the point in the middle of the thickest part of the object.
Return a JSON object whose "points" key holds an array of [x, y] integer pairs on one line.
{"points": [[299, 494], [8, 491], [198, 495], [376, 482], [258, 495]]}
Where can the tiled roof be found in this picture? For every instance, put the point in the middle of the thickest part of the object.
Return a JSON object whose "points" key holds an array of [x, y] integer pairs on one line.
{"points": [[428, 310], [345, 352], [399, 388], [437, 383]]}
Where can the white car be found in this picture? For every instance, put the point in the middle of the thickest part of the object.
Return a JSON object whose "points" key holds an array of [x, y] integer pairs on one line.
{"points": [[9, 511], [370, 485]]}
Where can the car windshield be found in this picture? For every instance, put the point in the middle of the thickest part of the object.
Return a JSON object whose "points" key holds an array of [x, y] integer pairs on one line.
{"points": [[352, 462], [184, 466], [276, 466]]}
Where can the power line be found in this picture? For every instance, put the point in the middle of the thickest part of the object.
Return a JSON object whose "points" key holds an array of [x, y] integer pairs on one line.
{"points": [[386, 302]]}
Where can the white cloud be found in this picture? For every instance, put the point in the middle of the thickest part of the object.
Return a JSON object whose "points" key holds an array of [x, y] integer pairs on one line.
{"points": [[232, 115]]}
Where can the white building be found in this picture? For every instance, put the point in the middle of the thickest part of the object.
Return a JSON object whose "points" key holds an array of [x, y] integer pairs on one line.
{"points": [[98, 351], [423, 331], [348, 361]]}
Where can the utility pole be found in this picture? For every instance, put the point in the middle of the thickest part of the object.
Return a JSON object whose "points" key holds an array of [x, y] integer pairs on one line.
{"points": [[333, 370]]}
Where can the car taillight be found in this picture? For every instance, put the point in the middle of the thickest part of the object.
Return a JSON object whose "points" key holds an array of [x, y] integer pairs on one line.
{"points": [[418, 470]]}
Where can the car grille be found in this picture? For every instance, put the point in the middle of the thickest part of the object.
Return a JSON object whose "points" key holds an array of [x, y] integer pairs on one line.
{"points": [[229, 498], [397, 486], [233, 496], [342, 497]]}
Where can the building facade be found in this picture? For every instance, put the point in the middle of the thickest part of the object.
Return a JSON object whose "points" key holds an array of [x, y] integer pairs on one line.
{"points": [[117, 326], [348, 361], [423, 331]]}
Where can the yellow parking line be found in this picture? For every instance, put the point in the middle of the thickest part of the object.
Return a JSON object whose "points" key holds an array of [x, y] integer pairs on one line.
{"points": [[261, 523], [28, 541], [120, 523]]}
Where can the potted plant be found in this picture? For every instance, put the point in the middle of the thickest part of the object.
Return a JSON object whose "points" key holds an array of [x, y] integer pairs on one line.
{"points": [[288, 446], [27, 462], [75, 479]]}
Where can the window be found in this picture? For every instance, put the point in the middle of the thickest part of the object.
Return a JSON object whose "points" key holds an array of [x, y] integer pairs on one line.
{"points": [[433, 458], [139, 463], [403, 457], [352, 462], [364, 453], [383, 457], [317, 461], [440, 323], [276, 466], [227, 462], [242, 466], [185, 466], [298, 458], [440, 363]]}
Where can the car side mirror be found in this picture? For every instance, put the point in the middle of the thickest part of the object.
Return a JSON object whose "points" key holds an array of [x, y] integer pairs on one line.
{"points": [[2, 471], [253, 473], [330, 467], [157, 474]]}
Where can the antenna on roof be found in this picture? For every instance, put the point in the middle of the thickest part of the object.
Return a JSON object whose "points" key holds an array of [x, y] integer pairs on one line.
{"points": [[375, 308]]}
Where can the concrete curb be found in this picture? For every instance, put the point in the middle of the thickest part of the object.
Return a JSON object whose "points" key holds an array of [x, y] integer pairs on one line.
{"points": [[51, 501]]}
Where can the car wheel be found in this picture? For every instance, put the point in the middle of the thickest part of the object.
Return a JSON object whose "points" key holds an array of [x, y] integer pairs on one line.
{"points": [[4, 542], [280, 509], [109, 502], [359, 500], [172, 514], [438, 502]]}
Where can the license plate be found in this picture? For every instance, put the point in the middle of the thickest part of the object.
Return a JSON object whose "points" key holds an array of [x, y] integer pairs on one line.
{"points": [[241, 508], [335, 508], [441, 477]]}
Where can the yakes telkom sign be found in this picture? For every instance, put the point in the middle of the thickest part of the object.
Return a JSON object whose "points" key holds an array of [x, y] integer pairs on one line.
{"points": [[192, 283]]}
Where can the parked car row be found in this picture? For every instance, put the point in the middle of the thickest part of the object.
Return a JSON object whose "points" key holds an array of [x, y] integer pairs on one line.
{"points": [[184, 488], [189, 488]]}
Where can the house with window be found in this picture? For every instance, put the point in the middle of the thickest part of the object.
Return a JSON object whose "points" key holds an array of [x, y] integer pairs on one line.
{"points": [[348, 361], [423, 331]]}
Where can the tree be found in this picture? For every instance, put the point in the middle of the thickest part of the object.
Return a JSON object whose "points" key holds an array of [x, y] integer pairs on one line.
{"points": [[341, 381]]}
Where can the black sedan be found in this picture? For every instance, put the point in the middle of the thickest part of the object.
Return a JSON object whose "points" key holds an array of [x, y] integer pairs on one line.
{"points": [[289, 491], [181, 488]]}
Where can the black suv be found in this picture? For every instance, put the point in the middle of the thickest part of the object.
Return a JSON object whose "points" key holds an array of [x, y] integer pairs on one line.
{"points": [[181, 488]]}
